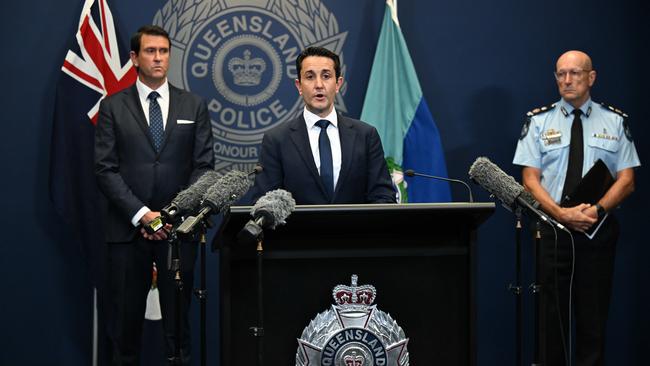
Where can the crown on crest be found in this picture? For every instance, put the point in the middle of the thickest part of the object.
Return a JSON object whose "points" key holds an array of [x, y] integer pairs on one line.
{"points": [[247, 71], [354, 294]]}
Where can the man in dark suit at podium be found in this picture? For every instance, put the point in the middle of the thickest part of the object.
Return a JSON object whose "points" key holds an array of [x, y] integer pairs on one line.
{"points": [[151, 141], [323, 157]]}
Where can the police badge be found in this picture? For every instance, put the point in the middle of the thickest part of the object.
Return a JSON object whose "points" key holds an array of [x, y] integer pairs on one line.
{"points": [[353, 333]]}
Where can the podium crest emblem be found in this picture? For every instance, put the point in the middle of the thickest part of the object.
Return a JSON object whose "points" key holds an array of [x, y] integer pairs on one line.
{"points": [[353, 332]]}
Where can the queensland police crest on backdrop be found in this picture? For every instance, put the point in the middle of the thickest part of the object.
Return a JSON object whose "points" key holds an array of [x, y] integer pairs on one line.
{"points": [[240, 56]]}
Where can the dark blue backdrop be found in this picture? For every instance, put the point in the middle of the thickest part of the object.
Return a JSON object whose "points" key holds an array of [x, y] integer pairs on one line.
{"points": [[482, 65]]}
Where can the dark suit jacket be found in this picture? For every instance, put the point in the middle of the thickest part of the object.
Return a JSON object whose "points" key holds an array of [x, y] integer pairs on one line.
{"points": [[289, 164], [130, 173]]}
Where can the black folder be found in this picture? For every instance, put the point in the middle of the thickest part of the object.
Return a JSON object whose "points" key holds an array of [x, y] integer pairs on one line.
{"points": [[592, 187]]}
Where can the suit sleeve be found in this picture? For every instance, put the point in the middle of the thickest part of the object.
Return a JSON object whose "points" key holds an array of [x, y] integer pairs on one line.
{"points": [[203, 156], [380, 185], [107, 165]]}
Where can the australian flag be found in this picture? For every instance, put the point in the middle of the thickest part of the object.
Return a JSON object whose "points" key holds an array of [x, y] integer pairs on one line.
{"points": [[95, 66]]}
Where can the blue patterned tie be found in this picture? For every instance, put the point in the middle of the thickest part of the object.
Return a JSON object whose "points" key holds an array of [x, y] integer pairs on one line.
{"points": [[155, 120], [325, 152]]}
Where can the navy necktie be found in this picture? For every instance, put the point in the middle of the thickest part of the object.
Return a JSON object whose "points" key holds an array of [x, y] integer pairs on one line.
{"points": [[576, 156], [325, 152], [155, 120]]}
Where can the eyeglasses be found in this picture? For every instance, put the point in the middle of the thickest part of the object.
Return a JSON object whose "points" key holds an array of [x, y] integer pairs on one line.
{"points": [[573, 73]]}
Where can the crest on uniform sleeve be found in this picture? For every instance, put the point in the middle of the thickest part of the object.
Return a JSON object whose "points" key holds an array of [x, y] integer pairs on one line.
{"points": [[524, 129], [353, 332], [628, 132]]}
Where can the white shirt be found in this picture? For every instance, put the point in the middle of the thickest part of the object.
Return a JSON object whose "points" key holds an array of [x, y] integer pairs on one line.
{"points": [[163, 101], [332, 133]]}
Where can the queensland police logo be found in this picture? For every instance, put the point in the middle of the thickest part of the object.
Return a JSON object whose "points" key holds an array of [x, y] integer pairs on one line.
{"points": [[240, 56], [353, 333]]}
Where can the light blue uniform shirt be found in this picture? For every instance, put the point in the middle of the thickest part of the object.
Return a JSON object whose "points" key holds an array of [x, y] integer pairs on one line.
{"points": [[544, 143]]}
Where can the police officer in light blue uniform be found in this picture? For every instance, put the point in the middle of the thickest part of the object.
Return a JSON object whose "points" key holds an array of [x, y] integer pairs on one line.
{"points": [[545, 137], [553, 162]]}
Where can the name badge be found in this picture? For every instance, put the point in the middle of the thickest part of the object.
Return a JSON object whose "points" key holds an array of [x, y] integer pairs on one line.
{"points": [[551, 136]]}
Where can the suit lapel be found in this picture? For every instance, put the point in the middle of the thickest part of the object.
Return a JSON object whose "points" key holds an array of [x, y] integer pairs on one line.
{"points": [[174, 102], [347, 135], [300, 139], [134, 106]]}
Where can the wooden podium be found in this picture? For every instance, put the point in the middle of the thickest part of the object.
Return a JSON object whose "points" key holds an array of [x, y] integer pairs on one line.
{"points": [[420, 258]]}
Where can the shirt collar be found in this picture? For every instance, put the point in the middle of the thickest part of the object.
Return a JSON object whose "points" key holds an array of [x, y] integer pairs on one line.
{"points": [[567, 108], [311, 118], [144, 90]]}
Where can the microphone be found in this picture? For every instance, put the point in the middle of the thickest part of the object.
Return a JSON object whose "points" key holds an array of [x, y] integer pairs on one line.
{"points": [[412, 173], [227, 190], [269, 211], [187, 200], [506, 189]]}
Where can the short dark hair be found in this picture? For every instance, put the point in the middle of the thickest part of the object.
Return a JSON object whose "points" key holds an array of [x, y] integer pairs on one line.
{"points": [[150, 30], [322, 52]]}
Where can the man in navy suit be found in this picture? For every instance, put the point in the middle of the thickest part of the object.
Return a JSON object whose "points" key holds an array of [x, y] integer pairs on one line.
{"points": [[151, 141], [322, 157]]}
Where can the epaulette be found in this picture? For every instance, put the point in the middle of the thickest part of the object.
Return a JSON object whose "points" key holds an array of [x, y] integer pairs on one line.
{"points": [[539, 110], [615, 110], [530, 114], [626, 125]]}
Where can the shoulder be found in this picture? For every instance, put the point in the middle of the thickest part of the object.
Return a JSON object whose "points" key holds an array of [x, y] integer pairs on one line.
{"points": [[356, 124], [284, 128], [121, 95], [184, 94], [540, 110], [532, 114], [617, 116], [607, 108]]}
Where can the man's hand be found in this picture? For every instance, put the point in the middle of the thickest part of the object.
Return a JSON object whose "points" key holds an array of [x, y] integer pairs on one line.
{"points": [[578, 218], [158, 235]]}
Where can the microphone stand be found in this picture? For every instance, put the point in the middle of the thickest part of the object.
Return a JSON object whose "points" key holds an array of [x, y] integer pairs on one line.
{"points": [[202, 293], [412, 173], [516, 290], [174, 265], [258, 330], [535, 289]]}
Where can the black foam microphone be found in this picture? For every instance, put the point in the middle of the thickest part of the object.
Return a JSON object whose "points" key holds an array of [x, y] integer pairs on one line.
{"points": [[412, 173], [226, 191], [489, 176], [269, 211], [187, 200]]}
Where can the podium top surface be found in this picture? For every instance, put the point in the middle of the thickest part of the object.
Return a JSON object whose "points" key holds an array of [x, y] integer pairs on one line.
{"points": [[376, 216], [480, 211]]}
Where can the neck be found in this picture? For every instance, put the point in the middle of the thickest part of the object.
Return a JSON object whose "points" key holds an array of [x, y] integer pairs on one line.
{"points": [[579, 103], [154, 84]]}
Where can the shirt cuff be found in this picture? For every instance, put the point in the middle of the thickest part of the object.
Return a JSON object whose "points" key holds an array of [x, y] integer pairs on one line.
{"points": [[138, 215]]}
